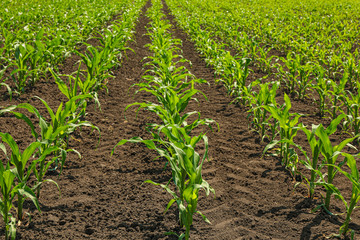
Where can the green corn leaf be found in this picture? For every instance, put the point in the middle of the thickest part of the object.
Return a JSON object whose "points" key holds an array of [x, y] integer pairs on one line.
{"points": [[204, 217], [28, 152], [169, 205], [28, 121], [57, 185], [11, 142], [334, 123], [164, 187], [271, 145], [3, 148], [50, 111], [27, 192]]}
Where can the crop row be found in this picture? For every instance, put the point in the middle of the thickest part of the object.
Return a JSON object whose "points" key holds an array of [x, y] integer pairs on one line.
{"points": [[173, 138], [274, 122], [50, 147]]}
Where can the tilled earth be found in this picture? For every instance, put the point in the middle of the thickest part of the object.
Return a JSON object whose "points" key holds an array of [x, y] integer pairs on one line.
{"points": [[103, 196]]}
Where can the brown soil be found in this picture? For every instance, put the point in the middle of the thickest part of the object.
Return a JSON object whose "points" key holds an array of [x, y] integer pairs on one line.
{"points": [[103, 196]]}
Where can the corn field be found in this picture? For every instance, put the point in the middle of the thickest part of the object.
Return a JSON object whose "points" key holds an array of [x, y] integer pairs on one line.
{"points": [[179, 119]]}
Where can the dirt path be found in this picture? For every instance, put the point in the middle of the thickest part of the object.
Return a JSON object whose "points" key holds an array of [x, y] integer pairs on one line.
{"points": [[103, 197]]}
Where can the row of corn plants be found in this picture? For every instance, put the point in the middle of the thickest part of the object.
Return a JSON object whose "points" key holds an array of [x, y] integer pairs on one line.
{"points": [[173, 86], [29, 50], [276, 122], [50, 147]]}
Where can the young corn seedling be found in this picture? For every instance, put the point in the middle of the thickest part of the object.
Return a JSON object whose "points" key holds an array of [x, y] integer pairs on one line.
{"points": [[21, 172], [98, 64], [76, 86], [322, 88], [354, 177], [263, 97], [264, 61], [290, 76], [170, 114], [4, 84], [186, 166], [288, 128], [352, 104], [352, 70], [8, 40], [8, 192], [305, 80], [116, 39], [316, 144], [58, 49], [22, 71], [37, 58], [245, 95], [333, 66], [234, 72], [336, 93], [330, 154], [172, 88]]}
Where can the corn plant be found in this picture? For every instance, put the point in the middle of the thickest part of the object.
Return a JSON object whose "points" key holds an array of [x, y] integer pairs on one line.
{"points": [[58, 49], [186, 166], [8, 38], [8, 193], [98, 64], [333, 66], [39, 55], [290, 74], [353, 176], [335, 95], [265, 62], [352, 70], [305, 80], [263, 97], [234, 72], [22, 174], [312, 163], [330, 154], [22, 70], [70, 90], [288, 128], [4, 84], [322, 88], [245, 94], [352, 104], [76, 86], [116, 39]]}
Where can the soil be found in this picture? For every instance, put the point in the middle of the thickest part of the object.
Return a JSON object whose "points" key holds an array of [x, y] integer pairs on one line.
{"points": [[103, 196]]}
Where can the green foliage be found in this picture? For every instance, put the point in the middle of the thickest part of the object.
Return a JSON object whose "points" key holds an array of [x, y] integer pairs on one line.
{"points": [[294, 43], [54, 135], [8, 193], [288, 128], [265, 96], [21, 172], [352, 103], [28, 51]]}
